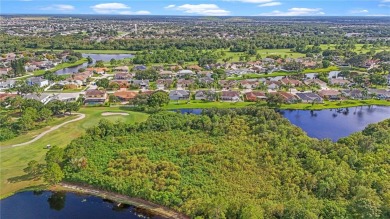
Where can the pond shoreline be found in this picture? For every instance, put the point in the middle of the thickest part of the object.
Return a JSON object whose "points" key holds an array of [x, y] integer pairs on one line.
{"points": [[173, 105], [156, 209]]}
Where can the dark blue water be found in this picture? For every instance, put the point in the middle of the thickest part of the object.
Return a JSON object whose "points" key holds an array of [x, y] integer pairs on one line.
{"points": [[336, 123], [103, 57], [331, 123], [64, 205]]}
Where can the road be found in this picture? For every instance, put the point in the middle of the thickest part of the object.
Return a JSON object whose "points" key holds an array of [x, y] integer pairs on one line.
{"points": [[81, 116]]}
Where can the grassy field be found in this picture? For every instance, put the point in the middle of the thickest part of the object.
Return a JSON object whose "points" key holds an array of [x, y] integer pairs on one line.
{"points": [[31, 134], [251, 76], [106, 51], [321, 70], [14, 160], [263, 52], [358, 48], [335, 104], [198, 104]]}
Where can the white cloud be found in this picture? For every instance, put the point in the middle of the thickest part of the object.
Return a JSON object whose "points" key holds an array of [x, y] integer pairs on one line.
{"points": [[25, 0], [295, 12], [359, 11], [201, 9], [116, 8], [386, 3], [59, 7], [170, 6], [109, 8], [270, 4], [134, 12], [251, 1]]}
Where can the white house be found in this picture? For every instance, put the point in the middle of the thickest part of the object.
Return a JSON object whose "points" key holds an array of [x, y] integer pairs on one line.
{"points": [[37, 81]]}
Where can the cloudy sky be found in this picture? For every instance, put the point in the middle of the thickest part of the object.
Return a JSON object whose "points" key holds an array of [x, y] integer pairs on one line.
{"points": [[200, 7]]}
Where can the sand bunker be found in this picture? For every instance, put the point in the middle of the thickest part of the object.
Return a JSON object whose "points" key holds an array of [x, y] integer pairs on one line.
{"points": [[114, 114]]}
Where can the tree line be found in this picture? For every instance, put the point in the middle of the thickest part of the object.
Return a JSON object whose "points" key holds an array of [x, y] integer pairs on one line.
{"points": [[241, 163]]}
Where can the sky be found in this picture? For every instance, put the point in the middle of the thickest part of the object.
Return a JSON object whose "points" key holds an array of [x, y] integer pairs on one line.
{"points": [[200, 7]]}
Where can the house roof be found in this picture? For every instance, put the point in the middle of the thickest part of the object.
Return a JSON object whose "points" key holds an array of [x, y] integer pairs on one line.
{"points": [[230, 93], [4, 96], [308, 96], [126, 94], [94, 92], [328, 92], [178, 93]]}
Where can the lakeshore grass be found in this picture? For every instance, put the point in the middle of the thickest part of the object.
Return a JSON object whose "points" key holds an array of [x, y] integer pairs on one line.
{"points": [[60, 66], [335, 104], [14, 160], [199, 104]]}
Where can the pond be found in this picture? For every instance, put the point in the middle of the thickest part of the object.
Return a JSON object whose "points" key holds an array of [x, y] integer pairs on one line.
{"points": [[330, 123], [95, 57], [66, 205], [336, 123]]}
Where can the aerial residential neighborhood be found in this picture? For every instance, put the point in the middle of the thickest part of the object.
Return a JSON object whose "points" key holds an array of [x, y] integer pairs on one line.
{"points": [[229, 109]]}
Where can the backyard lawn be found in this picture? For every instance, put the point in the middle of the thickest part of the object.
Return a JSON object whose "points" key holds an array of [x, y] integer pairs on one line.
{"points": [[198, 104]]}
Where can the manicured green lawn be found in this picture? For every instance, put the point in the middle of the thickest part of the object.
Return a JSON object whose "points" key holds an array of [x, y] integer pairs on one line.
{"points": [[321, 70], [335, 104], [14, 160], [263, 52], [274, 74], [106, 51], [31, 134], [196, 104], [358, 48]]}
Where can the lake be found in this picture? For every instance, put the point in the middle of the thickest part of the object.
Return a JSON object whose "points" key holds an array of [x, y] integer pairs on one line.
{"points": [[330, 123], [95, 57], [334, 123], [65, 205]]}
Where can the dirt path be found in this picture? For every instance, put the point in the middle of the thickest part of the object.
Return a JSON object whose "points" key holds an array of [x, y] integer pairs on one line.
{"points": [[113, 114], [149, 206], [81, 116]]}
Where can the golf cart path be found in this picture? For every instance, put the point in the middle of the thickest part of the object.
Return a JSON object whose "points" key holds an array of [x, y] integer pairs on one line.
{"points": [[81, 116]]}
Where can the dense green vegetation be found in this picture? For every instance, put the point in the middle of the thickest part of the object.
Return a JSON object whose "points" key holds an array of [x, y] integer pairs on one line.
{"points": [[242, 163], [20, 115]]}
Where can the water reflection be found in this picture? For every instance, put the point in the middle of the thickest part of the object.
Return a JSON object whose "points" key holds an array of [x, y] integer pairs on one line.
{"points": [[57, 200], [330, 123], [95, 57], [37, 205]]}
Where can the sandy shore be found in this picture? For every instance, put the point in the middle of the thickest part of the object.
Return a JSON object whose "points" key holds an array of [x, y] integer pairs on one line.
{"points": [[159, 210]]}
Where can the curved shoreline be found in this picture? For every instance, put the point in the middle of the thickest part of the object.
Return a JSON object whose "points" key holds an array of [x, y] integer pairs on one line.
{"points": [[159, 210]]}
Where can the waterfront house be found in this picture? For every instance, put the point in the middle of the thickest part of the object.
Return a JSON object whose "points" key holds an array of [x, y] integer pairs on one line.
{"points": [[179, 95], [330, 94], [230, 96], [309, 97], [255, 96], [205, 95]]}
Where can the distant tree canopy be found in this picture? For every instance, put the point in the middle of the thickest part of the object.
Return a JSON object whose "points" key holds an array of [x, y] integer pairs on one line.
{"points": [[241, 163], [32, 114]]}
